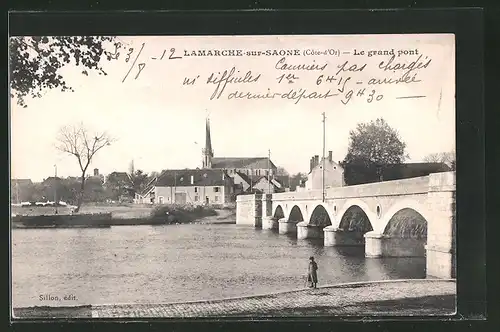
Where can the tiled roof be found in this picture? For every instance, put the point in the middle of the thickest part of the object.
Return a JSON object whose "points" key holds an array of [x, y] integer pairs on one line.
{"points": [[150, 185], [284, 180], [390, 172], [251, 163], [265, 178], [201, 177], [123, 176], [245, 177]]}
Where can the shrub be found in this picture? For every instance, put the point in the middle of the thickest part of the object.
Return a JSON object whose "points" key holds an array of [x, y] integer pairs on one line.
{"points": [[181, 212]]}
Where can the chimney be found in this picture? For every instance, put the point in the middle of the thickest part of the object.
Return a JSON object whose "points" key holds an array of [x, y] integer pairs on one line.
{"points": [[96, 171], [192, 179], [330, 156], [311, 164], [316, 160]]}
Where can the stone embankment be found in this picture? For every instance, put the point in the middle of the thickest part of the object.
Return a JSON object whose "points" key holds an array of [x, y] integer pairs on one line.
{"points": [[426, 297]]}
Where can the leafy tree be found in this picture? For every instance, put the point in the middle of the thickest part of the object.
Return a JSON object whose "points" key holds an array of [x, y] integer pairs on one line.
{"points": [[372, 146], [35, 62], [281, 171], [78, 142], [94, 190], [296, 180], [117, 184], [139, 180]]}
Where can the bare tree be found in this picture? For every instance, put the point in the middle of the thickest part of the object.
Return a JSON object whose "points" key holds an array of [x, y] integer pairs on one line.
{"points": [[77, 141], [443, 157], [433, 158]]}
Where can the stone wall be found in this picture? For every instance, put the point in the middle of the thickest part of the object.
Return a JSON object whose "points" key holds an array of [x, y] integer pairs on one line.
{"points": [[249, 210], [440, 248]]}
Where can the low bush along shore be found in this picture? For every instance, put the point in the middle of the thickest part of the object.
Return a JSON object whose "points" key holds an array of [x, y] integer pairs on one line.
{"points": [[175, 213], [181, 213]]}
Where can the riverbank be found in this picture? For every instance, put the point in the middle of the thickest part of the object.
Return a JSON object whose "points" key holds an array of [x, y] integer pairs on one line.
{"points": [[107, 216], [418, 297]]}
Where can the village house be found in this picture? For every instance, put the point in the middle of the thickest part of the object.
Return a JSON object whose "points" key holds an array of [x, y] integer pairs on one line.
{"points": [[21, 190], [268, 185], [333, 175], [189, 186]]}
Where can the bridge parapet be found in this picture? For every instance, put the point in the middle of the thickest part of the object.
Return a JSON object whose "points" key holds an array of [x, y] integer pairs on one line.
{"points": [[410, 186], [297, 195], [419, 185]]}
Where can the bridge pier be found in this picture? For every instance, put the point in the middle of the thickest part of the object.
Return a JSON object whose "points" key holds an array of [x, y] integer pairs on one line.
{"points": [[337, 237], [379, 245], [441, 230], [307, 231], [440, 262], [287, 226], [249, 210], [269, 223]]}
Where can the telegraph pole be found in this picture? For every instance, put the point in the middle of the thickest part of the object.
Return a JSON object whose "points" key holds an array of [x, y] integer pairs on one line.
{"points": [[323, 161], [269, 171], [55, 187], [17, 192]]}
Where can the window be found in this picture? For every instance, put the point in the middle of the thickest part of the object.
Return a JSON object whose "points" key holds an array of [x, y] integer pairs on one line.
{"points": [[160, 200], [195, 189], [216, 189]]}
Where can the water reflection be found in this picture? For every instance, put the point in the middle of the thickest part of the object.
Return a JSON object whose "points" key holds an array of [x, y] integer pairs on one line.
{"points": [[143, 264]]}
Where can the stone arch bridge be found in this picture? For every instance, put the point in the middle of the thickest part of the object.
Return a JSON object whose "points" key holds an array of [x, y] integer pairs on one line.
{"points": [[401, 218]]}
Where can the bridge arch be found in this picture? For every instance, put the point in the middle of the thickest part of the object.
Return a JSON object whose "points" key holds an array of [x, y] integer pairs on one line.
{"points": [[401, 205], [355, 219], [320, 216], [279, 213], [407, 223], [296, 214], [363, 206]]}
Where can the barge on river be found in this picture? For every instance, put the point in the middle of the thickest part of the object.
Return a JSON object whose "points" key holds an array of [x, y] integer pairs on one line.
{"points": [[62, 220]]}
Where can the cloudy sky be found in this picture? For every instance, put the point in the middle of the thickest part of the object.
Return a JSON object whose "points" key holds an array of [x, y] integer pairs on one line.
{"points": [[159, 123]]}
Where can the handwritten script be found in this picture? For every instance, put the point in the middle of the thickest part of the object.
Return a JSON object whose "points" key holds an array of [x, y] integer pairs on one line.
{"points": [[292, 75]]}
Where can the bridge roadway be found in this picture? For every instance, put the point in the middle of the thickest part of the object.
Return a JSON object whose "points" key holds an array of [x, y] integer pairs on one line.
{"points": [[401, 218]]}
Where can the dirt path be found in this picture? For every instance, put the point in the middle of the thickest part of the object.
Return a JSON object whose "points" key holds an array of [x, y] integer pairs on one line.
{"points": [[421, 297]]}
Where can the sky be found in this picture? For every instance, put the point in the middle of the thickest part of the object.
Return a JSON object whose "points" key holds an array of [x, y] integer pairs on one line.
{"points": [[159, 122]]}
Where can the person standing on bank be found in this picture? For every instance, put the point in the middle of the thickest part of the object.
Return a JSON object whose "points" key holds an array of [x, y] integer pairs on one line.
{"points": [[312, 276]]}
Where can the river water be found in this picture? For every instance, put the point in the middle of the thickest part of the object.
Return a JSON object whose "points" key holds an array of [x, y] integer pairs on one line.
{"points": [[175, 263]]}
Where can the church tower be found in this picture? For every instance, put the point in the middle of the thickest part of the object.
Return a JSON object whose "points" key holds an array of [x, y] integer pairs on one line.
{"points": [[208, 153]]}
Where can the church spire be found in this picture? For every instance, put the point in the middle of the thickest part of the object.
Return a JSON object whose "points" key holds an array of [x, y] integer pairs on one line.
{"points": [[208, 153]]}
